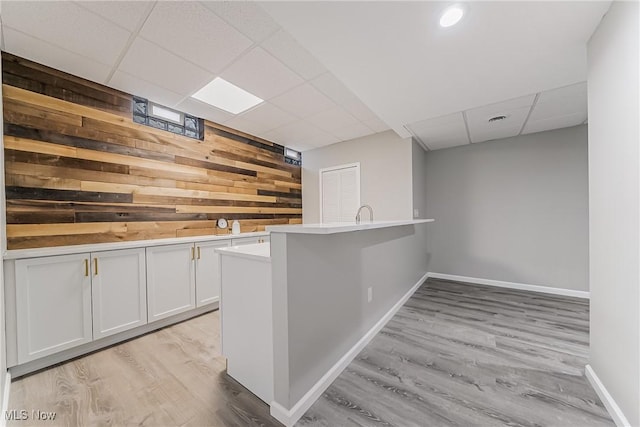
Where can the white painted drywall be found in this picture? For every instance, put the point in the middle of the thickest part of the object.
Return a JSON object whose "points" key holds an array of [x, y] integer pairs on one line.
{"points": [[385, 175], [419, 180], [320, 306], [614, 204], [513, 210]]}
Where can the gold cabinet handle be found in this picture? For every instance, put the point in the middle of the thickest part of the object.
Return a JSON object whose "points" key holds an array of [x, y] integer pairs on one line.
{"points": [[86, 268], [198, 252], [95, 264], [193, 256]]}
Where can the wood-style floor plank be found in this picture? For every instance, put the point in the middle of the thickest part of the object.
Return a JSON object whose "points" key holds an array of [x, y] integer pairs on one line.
{"points": [[469, 355], [172, 377], [454, 355]]}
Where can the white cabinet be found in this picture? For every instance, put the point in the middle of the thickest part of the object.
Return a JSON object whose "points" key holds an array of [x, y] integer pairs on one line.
{"points": [[171, 284], [53, 304], [208, 272], [249, 240], [119, 291], [246, 321], [64, 301]]}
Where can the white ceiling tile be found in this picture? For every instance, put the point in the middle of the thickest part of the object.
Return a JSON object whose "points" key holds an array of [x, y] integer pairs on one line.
{"points": [[53, 56], [288, 50], [516, 111], [127, 14], [136, 86], [376, 124], [561, 102], [268, 115], [441, 132], [261, 74], [247, 126], [196, 34], [248, 17], [558, 108], [303, 101], [328, 84], [332, 119], [353, 131], [359, 110], [156, 65], [556, 122], [202, 110], [300, 133], [69, 26]]}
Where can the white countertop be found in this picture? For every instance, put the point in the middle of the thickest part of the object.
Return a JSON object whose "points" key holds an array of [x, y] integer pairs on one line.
{"points": [[97, 247], [341, 227], [255, 251]]}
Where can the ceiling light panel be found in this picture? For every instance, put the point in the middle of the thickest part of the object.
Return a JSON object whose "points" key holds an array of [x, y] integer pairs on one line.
{"points": [[226, 96]]}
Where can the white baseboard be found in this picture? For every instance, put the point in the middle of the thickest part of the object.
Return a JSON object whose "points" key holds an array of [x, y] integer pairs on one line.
{"points": [[614, 410], [5, 399], [512, 285], [289, 417]]}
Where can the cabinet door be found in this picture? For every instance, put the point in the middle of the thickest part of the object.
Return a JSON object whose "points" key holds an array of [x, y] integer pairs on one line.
{"points": [[53, 298], [208, 272], [170, 280], [249, 240], [119, 289]]}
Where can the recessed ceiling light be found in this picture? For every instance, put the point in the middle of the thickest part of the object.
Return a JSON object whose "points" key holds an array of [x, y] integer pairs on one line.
{"points": [[451, 16], [226, 96]]}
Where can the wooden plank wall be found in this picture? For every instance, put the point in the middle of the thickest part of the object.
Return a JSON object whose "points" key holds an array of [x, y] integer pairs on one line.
{"points": [[78, 170]]}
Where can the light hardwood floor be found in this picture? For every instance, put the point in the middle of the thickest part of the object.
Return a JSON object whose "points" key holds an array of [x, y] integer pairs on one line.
{"points": [[469, 355], [172, 377], [455, 354]]}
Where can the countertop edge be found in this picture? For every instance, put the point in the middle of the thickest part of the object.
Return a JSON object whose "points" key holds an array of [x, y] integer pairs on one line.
{"points": [[246, 251], [112, 246], [341, 227]]}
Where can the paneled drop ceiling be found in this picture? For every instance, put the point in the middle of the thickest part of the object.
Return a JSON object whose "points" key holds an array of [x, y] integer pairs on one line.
{"points": [[329, 71]]}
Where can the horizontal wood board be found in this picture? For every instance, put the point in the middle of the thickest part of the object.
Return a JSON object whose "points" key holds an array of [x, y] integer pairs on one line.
{"points": [[78, 170]]}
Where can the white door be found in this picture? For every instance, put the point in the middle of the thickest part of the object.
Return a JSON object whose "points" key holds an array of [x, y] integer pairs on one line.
{"points": [[208, 272], [339, 193], [171, 285], [53, 297], [119, 288]]}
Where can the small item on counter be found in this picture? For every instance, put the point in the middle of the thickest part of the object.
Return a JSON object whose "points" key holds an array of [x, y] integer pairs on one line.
{"points": [[235, 227], [222, 223]]}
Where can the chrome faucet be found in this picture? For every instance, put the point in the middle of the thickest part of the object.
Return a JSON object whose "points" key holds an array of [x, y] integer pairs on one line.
{"points": [[360, 209]]}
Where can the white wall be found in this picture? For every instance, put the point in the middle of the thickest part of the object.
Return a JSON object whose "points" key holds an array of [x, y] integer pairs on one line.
{"points": [[513, 210], [614, 205], [418, 160], [320, 304], [385, 175]]}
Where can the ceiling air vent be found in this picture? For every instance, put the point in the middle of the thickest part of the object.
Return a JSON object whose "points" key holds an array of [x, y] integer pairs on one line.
{"points": [[497, 119]]}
